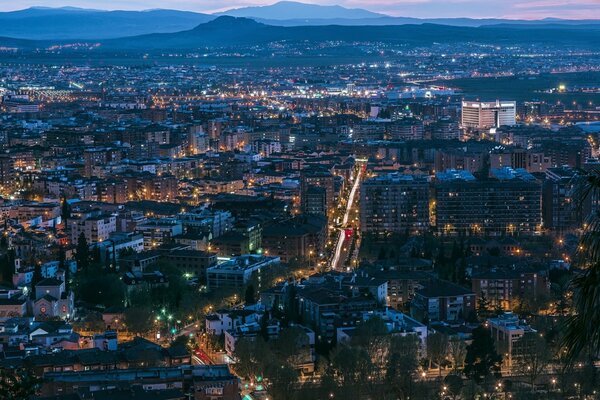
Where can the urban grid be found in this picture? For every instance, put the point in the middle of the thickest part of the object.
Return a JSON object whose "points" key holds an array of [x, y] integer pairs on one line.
{"points": [[298, 201]]}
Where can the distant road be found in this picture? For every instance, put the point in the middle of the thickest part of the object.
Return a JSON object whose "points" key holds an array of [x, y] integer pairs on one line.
{"points": [[339, 248]]}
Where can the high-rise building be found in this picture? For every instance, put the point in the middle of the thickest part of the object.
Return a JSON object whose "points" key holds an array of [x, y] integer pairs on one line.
{"points": [[562, 211], [314, 200], [395, 203], [485, 115], [508, 202], [406, 129]]}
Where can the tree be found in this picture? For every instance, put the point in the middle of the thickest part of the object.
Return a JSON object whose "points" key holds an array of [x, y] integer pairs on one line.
{"points": [[7, 267], [62, 264], [180, 341], [250, 296], [292, 346], [457, 350], [65, 210], [453, 385], [372, 336], [402, 364], [36, 278], [437, 347], [583, 328], [18, 384], [106, 290], [282, 380], [484, 307], [352, 366], [264, 326], [533, 358], [82, 253], [138, 320], [482, 360], [251, 357]]}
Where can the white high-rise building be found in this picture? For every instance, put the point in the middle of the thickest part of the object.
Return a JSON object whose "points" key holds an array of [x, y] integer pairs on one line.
{"points": [[486, 115]]}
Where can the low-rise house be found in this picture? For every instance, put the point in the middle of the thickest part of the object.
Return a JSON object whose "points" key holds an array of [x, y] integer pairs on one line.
{"points": [[442, 301], [237, 271]]}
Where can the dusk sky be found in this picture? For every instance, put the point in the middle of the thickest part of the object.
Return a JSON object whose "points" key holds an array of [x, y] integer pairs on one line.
{"points": [[526, 9]]}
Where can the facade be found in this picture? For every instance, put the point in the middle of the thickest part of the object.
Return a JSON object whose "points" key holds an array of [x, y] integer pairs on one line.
{"points": [[507, 203], [561, 210], [508, 332], [397, 324], [202, 382], [52, 300], [157, 232], [317, 179], [193, 262], [406, 129], [96, 228], [296, 238], [237, 271], [503, 288], [395, 203], [442, 301], [485, 115], [402, 285]]}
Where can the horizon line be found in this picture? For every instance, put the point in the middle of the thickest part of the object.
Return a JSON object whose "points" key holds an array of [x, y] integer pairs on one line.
{"points": [[224, 10]]}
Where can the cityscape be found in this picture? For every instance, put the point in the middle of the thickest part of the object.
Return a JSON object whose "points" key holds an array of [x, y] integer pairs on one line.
{"points": [[290, 201]]}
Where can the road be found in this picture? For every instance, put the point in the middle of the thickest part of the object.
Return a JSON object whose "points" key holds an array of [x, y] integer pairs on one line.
{"points": [[341, 247]]}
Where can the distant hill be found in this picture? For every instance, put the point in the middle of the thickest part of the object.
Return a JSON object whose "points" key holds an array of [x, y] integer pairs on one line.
{"points": [[231, 32], [234, 32], [76, 23], [286, 10], [70, 23]]}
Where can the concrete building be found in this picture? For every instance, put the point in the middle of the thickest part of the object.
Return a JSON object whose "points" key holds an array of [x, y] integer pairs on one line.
{"points": [[504, 287], [508, 330], [442, 301], [394, 203], [562, 211], [96, 227], [237, 271], [157, 232], [509, 202], [486, 115]]}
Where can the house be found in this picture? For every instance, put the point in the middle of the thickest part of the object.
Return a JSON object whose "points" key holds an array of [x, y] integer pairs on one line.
{"points": [[52, 299], [223, 320], [442, 301], [508, 330], [502, 287]]}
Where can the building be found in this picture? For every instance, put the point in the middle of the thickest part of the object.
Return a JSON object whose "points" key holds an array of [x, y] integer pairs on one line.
{"points": [[508, 331], [486, 115], [317, 179], [237, 271], [402, 285], [95, 226], [406, 129], [296, 238], [442, 301], [202, 382], [52, 300], [509, 202], [562, 211], [504, 287], [157, 232], [223, 320], [394, 203], [397, 324], [192, 262]]}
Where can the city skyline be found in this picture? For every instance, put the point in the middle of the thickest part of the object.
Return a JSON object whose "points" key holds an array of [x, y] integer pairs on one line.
{"points": [[512, 9]]}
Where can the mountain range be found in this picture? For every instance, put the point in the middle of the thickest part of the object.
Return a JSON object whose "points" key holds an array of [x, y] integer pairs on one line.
{"points": [[70, 23], [226, 31]]}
